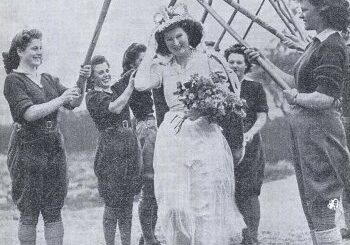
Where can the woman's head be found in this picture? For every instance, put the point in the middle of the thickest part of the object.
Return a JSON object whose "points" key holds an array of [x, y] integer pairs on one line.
{"points": [[25, 47], [179, 36], [237, 60], [133, 56], [100, 74], [320, 14]]}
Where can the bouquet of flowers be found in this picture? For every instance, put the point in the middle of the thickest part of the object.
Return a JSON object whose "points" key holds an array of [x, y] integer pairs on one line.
{"points": [[210, 98]]}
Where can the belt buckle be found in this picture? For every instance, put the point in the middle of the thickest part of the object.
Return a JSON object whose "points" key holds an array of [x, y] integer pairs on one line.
{"points": [[49, 124], [125, 123], [150, 122], [18, 127]]}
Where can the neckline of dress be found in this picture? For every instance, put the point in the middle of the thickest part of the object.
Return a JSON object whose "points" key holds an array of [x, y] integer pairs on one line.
{"points": [[178, 68], [106, 90]]}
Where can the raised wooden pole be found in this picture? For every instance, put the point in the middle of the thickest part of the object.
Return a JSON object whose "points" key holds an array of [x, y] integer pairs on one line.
{"points": [[217, 44], [293, 20], [81, 83], [262, 62], [256, 19], [252, 22], [172, 3], [284, 12], [282, 17], [205, 14]]}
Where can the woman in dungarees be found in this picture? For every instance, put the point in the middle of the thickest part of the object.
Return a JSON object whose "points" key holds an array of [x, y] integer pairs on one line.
{"points": [[321, 156], [249, 174], [118, 157], [36, 155]]}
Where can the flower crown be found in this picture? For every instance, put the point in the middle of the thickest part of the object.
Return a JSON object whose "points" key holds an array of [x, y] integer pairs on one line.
{"points": [[168, 16]]}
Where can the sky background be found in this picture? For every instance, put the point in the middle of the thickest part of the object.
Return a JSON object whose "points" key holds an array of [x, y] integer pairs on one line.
{"points": [[67, 28]]}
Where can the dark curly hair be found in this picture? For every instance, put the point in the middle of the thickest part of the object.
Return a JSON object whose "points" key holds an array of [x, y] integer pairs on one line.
{"points": [[21, 41], [334, 12], [96, 60], [193, 29], [131, 54], [238, 49]]}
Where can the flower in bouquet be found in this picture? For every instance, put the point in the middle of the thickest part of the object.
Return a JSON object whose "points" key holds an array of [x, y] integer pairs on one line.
{"points": [[209, 97]]}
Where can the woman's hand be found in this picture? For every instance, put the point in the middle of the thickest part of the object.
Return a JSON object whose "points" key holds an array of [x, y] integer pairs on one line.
{"points": [[253, 54], [294, 42], [132, 79], [290, 95], [70, 95], [85, 71], [238, 155], [248, 137]]}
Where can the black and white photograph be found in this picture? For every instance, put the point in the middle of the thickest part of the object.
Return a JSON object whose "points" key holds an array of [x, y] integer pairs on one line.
{"points": [[175, 122]]}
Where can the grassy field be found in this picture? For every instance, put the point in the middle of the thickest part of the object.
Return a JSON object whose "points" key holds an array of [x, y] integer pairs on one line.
{"points": [[282, 218], [282, 221], [82, 190]]}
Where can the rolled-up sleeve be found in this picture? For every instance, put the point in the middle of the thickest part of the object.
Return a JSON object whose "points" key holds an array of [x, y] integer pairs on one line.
{"points": [[17, 97], [329, 73]]}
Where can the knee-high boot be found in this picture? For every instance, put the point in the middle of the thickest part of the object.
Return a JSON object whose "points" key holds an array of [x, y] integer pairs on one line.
{"points": [[147, 221], [328, 237], [110, 220], [346, 209], [154, 216], [313, 238], [54, 233], [26, 234], [345, 232]]}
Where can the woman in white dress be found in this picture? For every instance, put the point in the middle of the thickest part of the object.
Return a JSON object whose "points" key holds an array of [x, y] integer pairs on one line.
{"points": [[194, 178]]}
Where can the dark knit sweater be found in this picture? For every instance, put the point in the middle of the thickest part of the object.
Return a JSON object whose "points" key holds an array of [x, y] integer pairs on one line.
{"points": [[323, 67], [346, 92]]}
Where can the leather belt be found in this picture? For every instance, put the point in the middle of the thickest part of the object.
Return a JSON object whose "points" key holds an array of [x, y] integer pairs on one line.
{"points": [[124, 124], [148, 117], [46, 126]]}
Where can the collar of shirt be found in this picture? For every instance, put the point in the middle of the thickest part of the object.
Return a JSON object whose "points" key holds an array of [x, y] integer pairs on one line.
{"points": [[322, 36], [34, 77], [107, 90], [247, 77]]}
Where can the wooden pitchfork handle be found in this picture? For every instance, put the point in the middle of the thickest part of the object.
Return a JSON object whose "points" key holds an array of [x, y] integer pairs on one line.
{"points": [[256, 19], [262, 62], [81, 83]]}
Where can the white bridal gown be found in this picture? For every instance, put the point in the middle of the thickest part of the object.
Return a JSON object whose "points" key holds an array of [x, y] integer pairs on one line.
{"points": [[194, 175]]}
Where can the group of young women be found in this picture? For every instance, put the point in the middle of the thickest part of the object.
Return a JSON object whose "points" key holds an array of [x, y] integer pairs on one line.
{"points": [[194, 179]]}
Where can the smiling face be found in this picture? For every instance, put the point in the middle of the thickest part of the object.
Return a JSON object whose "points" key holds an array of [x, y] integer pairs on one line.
{"points": [[237, 64], [310, 14], [32, 55], [177, 41], [101, 75]]}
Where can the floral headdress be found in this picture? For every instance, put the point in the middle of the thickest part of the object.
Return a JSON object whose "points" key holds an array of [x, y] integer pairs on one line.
{"points": [[168, 16]]}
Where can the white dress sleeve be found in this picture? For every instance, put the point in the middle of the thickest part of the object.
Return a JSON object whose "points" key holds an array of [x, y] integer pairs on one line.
{"points": [[149, 73]]}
